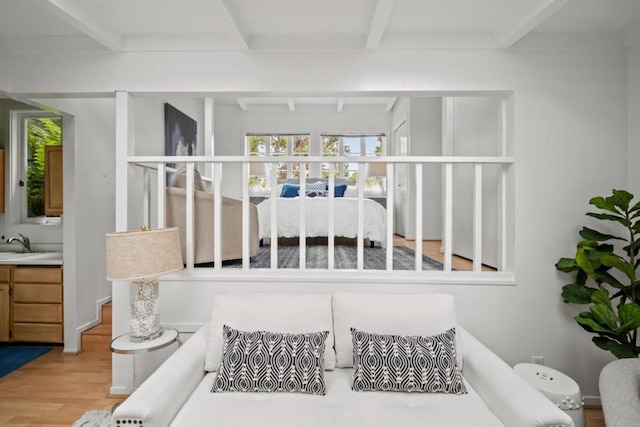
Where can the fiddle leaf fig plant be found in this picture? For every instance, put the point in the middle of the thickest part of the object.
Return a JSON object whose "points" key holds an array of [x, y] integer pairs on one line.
{"points": [[605, 279]]}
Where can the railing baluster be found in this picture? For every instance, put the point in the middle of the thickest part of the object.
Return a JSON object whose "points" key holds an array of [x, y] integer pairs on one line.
{"points": [[360, 240], [477, 219], [190, 216], [274, 215], [217, 216], [146, 198], [162, 189], [448, 214], [332, 218], [390, 207], [418, 249], [302, 239], [246, 224]]}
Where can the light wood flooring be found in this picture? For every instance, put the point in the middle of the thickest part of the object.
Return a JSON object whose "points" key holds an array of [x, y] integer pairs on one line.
{"points": [[56, 389], [431, 248]]}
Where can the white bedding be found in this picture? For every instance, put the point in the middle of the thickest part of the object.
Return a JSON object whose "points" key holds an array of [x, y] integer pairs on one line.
{"points": [[317, 218]]}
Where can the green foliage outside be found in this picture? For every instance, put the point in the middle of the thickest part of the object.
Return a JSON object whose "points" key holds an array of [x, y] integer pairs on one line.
{"points": [[605, 276], [330, 146], [40, 133]]}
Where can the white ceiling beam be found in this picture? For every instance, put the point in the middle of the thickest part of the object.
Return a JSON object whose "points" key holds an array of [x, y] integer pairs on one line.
{"points": [[291, 104], [242, 104], [536, 13], [340, 105], [390, 104], [86, 22], [379, 23], [237, 31]]}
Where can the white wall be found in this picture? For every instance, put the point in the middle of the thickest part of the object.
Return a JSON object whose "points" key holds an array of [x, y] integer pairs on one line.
{"points": [[424, 127], [633, 73], [4, 72], [89, 186], [476, 133], [570, 116]]}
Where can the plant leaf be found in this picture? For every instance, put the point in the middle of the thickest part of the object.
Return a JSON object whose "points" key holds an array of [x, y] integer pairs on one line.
{"points": [[629, 317], [590, 234], [591, 325], [621, 198], [606, 277], [619, 350], [619, 264], [577, 294], [608, 217], [602, 203], [601, 296], [635, 207], [604, 315], [567, 265]]}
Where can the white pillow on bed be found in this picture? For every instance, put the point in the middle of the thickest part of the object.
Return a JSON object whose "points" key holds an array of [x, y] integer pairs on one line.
{"points": [[419, 314], [351, 191], [286, 313]]}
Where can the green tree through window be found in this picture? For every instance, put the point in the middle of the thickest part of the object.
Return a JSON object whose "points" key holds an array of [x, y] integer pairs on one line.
{"points": [[40, 133]]}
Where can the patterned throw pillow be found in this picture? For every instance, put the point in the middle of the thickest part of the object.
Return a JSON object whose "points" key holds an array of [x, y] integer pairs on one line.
{"points": [[271, 362], [316, 189], [406, 363]]}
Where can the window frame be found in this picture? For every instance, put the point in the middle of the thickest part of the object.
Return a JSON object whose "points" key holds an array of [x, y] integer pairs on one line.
{"points": [[19, 153]]}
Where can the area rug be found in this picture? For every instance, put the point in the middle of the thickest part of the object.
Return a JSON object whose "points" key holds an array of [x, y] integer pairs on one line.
{"points": [[11, 358], [345, 258], [94, 419]]}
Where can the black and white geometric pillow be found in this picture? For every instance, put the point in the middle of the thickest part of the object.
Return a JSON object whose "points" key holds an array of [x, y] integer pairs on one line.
{"points": [[406, 363], [271, 362]]}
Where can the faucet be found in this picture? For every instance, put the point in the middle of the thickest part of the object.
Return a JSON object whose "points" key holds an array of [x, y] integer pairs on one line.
{"points": [[26, 244]]}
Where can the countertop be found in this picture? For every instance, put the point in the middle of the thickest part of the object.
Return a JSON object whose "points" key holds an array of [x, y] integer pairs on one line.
{"points": [[34, 258]]}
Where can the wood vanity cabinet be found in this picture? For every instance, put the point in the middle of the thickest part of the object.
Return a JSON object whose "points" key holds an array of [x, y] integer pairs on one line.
{"points": [[37, 304], [5, 303]]}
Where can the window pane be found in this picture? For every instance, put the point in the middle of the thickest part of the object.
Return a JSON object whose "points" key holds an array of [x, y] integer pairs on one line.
{"points": [[39, 133]]}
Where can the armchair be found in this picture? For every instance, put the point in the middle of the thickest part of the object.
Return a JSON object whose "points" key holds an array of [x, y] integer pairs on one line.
{"points": [[203, 224]]}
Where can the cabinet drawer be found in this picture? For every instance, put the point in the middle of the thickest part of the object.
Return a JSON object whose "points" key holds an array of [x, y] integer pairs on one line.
{"points": [[5, 274], [45, 313], [37, 332], [23, 292], [37, 275]]}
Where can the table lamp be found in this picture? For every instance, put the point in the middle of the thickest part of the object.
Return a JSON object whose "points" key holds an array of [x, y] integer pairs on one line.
{"points": [[377, 170], [257, 170], [140, 257]]}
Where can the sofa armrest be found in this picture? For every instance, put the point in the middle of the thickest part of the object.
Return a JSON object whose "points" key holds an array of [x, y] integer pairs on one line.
{"points": [[619, 389], [157, 401], [514, 401]]}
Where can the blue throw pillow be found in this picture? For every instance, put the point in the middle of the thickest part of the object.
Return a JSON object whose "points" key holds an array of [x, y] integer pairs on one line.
{"points": [[290, 190], [340, 189]]}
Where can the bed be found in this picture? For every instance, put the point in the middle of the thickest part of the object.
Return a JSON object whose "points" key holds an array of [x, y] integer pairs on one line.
{"points": [[317, 218]]}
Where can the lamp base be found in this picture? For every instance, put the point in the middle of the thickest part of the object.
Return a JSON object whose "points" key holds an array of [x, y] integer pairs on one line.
{"points": [[146, 339], [145, 318]]}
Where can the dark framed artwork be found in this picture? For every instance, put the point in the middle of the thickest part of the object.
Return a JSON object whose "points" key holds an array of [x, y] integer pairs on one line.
{"points": [[180, 133]]}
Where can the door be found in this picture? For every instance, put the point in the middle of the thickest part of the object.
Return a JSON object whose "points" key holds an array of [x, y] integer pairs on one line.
{"points": [[401, 177]]}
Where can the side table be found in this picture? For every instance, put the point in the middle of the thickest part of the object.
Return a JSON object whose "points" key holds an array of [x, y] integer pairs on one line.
{"points": [[558, 387], [122, 345]]}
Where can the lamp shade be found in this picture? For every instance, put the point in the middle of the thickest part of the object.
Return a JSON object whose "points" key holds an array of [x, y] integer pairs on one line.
{"points": [[376, 169], [257, 169], [133, 255]]}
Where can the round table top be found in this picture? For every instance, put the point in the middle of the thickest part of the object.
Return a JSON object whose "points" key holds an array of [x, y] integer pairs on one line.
{"points": [[547, 379], [123, 345]]}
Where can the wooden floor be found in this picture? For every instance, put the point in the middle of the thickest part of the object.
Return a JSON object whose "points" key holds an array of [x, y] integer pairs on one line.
{"points": [[56, 389], [431, 248]]}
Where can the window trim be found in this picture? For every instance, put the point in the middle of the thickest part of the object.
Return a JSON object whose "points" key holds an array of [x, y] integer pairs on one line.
{"points": [[18, 166]]}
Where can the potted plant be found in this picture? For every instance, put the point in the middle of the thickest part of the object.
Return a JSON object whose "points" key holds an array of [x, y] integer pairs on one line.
{"points": [[604, 269]]}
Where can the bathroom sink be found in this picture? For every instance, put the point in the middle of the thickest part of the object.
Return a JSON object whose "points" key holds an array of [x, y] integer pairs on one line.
{"points": [[29, 257]]}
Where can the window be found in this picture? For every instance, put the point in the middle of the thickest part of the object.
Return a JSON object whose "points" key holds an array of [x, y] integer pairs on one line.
{"points": [[352, 145], [32, 131], [278, 145]]}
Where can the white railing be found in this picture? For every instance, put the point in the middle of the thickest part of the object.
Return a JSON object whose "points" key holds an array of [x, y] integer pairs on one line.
{"points": [[158, 163]]}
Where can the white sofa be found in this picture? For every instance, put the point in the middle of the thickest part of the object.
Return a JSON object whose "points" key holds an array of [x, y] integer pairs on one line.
{"points": [[179, 392]]}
